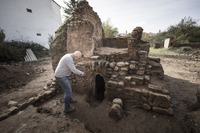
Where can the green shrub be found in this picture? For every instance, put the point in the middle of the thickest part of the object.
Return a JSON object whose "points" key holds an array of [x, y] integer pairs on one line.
{"points": [[16, 51]]}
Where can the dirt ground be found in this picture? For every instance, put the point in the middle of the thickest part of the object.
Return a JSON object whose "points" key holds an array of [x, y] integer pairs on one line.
{"points": [[22, 81]]}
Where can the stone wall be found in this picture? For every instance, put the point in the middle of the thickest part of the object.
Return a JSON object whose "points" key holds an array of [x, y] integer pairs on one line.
{"points": [[126, 80], [84, 30], [128, 73], [115, 42], [135, 78]]}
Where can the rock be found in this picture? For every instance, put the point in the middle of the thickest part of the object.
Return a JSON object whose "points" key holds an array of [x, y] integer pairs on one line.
{"points": [[49, 83], [147, 78], [124, 69], [76, 120], [116, 68], [128, 78], [45, 88], [132, 67], [23, 105], [118, 101], [121, 83], [114, 76], [31, 100], [146, 106], [142, 52], [186, 49], [126, 63], [112, 83], [159, 100], [121, 64], [168, 111], [158, 89], [47, 93], [27, 74], [115, 112], [12, 103], [13, 110], [112, 64], [94, 57], [122, 73]]}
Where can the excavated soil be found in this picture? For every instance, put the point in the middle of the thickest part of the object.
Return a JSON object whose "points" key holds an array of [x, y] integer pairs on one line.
{"points": [[22, 81]]}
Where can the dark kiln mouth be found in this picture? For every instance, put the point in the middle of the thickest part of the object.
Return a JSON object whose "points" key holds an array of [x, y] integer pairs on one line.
{"points": [[99, 87]]}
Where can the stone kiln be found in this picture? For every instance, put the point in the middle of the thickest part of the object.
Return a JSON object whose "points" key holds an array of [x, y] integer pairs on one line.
{"points": [[126, 73]]}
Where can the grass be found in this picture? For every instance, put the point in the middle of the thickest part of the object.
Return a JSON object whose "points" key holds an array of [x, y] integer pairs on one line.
{"points": [[164, 51]]}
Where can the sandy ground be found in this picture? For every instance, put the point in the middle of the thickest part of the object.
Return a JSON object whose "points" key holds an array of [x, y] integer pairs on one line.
{"points": [[182, 78]]}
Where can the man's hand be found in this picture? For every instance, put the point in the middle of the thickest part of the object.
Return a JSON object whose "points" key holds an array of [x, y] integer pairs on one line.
{"points": [[83, 74]]}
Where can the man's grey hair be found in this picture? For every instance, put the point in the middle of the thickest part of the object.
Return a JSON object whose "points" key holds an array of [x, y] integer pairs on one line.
{"points": [[78, 54]]}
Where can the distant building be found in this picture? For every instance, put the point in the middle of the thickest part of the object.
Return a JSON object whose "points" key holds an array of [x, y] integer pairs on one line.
{"points": [[30, 20]]}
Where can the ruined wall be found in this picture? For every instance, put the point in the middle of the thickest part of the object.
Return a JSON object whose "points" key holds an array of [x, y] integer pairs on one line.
{"points": [[135, 78], [128, 73], [115, 42], [84, 30], [58, 46]]}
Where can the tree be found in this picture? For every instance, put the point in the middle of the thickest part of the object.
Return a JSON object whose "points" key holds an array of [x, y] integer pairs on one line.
{"points": [[2, 35], [109, 30], [185, 30], [70, 6]]}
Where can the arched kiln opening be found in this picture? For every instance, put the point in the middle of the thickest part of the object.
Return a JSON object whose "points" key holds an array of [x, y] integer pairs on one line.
{"points": [[99, 87]]}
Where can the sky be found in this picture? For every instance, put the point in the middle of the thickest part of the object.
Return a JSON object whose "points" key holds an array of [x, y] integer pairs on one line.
{"points": [[151, 15]]}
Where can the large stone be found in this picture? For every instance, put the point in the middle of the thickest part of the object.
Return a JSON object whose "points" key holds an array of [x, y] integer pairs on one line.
{"points": [[158, 89], [124, 69], [121, 64], [112, 65], [115, 112], [23, 105], [47, 93], [118, 101], [13, 110], [146, 106], [132, 67], [112, 83], [168, 111], [142, 52], [12, 103], [94, 57], [137, 77], [159, 100], [140, 72], [31, 100], [128, 78], [121, 84], [122, 73], [116, 68]]}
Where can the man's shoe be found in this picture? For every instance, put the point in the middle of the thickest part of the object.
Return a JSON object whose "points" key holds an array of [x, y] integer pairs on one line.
{"points": [[72, 101], [71, 109]]}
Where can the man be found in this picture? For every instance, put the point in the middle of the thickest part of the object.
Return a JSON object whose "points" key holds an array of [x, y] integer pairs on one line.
{"points": [[63, 70]]}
